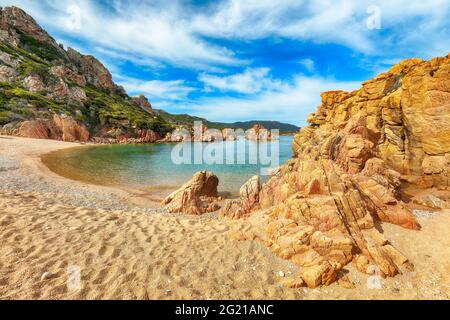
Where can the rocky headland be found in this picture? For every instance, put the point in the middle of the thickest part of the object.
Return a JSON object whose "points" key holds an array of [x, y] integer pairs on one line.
{"points": [[48, 92]]}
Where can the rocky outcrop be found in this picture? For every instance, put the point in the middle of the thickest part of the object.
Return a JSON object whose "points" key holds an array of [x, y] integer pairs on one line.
{"points": [[346, 178], [198, 196], [69, 130], [69, 74], [231, 134], [59, 128], [259, 133], [143, 102], [13, 20], [34, 84], [93, 70]]}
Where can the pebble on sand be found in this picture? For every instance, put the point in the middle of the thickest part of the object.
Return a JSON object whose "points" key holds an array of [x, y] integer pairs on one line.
{"points": [[46, 276]]}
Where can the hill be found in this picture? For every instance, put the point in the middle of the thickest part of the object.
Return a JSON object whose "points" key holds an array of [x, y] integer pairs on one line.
{"points": [[185, 119]]}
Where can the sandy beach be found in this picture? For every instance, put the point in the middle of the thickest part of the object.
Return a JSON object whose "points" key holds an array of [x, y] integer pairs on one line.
{"points": [[126, 247]]}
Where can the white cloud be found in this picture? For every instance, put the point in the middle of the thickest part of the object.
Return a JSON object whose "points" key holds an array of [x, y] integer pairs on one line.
{"points": [[173, 31], [308, 64], [142, 29], [252, 80], [156, 90], [330, 21]]}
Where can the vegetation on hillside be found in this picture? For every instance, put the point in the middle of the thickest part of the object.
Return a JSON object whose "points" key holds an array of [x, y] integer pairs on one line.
{"points": [[185, 119]]}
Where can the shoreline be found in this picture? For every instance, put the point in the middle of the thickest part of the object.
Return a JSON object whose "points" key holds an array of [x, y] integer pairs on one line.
{"points": [[126, 251]]}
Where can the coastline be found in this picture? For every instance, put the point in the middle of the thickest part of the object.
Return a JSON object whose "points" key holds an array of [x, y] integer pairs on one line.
{"points": [[126, 250]]}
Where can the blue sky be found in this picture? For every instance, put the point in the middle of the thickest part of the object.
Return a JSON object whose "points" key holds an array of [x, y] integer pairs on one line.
{"points": [[234, 60]]}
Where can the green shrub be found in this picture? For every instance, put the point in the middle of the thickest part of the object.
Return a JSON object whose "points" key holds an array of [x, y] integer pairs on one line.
{"points": [[29, 68], [4, 118]]}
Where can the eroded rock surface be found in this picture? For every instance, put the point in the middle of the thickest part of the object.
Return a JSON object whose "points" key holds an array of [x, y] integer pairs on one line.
{"points": [[346, 178], [197, 196], [59, 128]]}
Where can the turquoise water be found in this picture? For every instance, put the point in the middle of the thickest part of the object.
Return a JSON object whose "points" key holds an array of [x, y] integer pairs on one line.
{"points": [[144, 166]]}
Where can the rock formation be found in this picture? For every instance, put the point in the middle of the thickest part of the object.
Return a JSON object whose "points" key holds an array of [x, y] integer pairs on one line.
{"points": [[346, 177], [197, 196], [93, 70], [229, 135], [248, 200], [203, 134], [259, 133], [57, 128]]}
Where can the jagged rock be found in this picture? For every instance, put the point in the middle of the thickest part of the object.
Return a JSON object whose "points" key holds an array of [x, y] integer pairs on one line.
{"points": [[203, 134], [36, 129], [58, 128], [42, 79], [71, 75], [13, 18], [248, 201], [143, 102], [318, 274], [8, 60], [293, 283], [197, 196], [179, 136], [94, 71], [140, 136]]}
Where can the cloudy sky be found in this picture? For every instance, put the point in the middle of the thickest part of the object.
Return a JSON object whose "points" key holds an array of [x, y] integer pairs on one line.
{"points": [[235, 60]]}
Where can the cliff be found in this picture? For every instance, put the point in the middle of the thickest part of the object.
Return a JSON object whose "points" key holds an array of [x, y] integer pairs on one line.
{"points": [[49, 92], [350, 172]]}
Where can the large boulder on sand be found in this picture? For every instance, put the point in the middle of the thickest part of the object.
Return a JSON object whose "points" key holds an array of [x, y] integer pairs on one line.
{"points": [[197, 196]]}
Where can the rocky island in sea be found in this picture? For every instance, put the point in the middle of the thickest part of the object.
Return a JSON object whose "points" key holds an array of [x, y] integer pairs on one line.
{"points": [[361, 211]]}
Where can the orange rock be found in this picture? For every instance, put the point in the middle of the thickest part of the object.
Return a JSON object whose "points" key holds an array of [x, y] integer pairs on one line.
{"points": [[318, 274], [197, 196], [347, 169]]}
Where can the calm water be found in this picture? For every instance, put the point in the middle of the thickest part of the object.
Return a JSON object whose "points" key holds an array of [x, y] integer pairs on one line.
{"points": [[147, 166]]}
